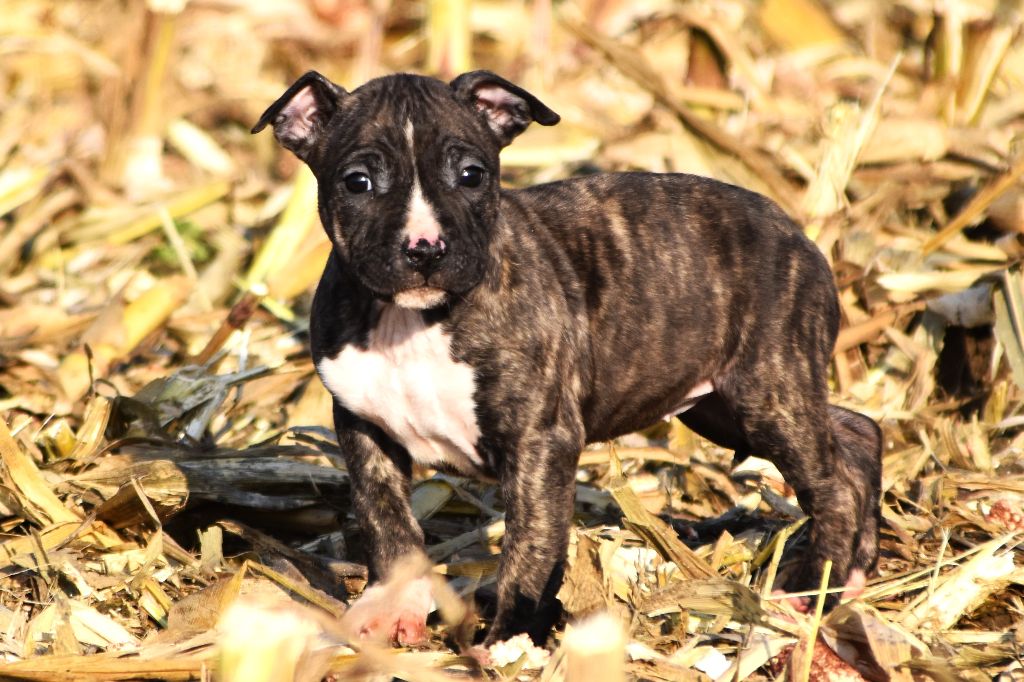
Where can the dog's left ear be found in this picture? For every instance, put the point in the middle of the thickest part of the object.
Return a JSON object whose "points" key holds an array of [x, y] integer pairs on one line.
{"points": [[300, 115], [506, 106]]}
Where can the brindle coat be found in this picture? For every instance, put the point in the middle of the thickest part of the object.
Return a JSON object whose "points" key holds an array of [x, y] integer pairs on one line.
{"points": [[586, 308]]}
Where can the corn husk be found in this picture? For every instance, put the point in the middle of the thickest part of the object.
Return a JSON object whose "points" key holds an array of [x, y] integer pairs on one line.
{"points": [[167, 452]]}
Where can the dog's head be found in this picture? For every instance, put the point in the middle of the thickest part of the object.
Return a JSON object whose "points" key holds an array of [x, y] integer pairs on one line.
{"points": [[407, 169]]}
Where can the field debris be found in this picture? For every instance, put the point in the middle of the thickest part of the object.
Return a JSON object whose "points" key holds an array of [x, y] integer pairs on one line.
{"points": [[173, 502]]}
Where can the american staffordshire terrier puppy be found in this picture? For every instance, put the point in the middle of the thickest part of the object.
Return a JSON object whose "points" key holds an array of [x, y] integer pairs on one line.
{"points": [[495, 332]]}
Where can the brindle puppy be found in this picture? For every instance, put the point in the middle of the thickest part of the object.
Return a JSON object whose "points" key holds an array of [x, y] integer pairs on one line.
{"points": [[496, 332]]}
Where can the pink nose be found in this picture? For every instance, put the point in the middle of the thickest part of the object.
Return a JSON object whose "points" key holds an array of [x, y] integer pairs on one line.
{"points": [[423, 253], [428, 238]]}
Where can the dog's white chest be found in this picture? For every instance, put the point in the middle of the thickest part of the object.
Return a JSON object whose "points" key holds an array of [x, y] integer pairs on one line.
{"points": [[406, 382]]}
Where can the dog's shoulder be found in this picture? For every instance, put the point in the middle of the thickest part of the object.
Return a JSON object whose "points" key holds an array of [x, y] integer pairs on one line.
{"points": [[339, 315]]}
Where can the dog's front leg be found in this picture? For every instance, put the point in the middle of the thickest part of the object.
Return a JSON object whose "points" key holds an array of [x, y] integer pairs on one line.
{"points": [[380, 470], [538, 484]]}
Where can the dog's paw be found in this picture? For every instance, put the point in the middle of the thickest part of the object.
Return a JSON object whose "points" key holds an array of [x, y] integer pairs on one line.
{"points": [[798, 604], [392, 612], [854, 586], [856, 581]]}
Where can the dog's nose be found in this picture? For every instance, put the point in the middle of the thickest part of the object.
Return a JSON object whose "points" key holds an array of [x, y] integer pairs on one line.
{"points": [[424, 254]]}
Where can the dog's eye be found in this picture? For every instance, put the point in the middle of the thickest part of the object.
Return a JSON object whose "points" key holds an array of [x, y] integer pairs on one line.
{"points": [[357, 183], [471, 176]]}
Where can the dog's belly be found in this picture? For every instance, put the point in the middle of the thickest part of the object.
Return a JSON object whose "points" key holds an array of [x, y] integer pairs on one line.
{"points": [[691, 398], [631, 410], [406, 382]]}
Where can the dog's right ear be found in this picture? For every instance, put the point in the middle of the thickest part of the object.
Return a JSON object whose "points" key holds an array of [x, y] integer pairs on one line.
{"points": [[300, 115]]}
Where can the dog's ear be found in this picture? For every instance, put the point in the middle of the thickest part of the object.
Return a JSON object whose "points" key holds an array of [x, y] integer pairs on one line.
{"points": [[506, 106], [300, 115]]}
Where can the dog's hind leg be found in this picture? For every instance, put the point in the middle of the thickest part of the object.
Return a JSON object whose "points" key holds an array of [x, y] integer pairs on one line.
{"points": [[858, 445], [795, 436], [849, 476]]}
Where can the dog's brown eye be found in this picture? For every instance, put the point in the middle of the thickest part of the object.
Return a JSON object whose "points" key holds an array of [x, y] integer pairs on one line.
{"points": [[357, 183], [471, 176]]}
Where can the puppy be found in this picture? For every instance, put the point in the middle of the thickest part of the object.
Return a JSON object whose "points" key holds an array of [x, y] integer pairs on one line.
{"points": [[494, 332]]}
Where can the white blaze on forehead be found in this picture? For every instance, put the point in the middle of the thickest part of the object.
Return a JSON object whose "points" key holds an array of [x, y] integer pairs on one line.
{"points": [[408, 136], [420, 218]]}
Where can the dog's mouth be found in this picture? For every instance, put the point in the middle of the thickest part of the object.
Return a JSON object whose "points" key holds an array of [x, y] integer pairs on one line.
{"points": [[420, 298], [390, 280], [411, 290]]}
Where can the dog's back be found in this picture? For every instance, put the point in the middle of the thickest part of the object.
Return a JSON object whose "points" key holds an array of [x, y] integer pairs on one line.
{"points": [[680, 274]]}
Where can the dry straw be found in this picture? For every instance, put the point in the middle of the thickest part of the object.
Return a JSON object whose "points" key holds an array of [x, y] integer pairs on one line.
{"points": [[173, 504]]}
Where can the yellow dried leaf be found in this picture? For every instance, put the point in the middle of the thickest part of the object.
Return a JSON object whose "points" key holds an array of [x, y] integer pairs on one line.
{"points": [[21, 474], [19, 185], [960, 591], [138, 319], [656, 532], [96, 629], [299, 217], [429, 497], [795, 24], [595, 651]]}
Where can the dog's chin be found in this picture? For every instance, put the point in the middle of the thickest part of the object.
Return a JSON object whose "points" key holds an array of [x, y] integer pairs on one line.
{"points": [[420, 298]]}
